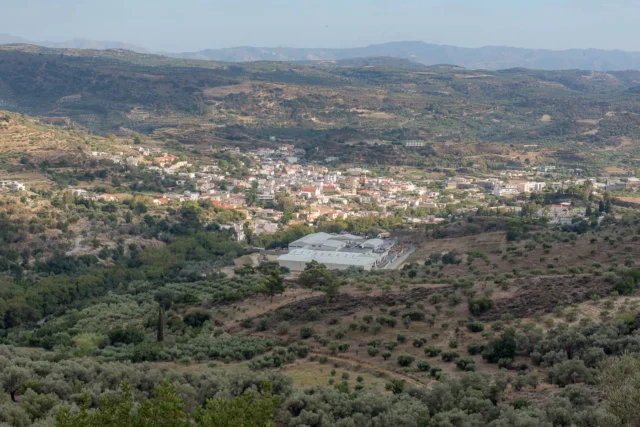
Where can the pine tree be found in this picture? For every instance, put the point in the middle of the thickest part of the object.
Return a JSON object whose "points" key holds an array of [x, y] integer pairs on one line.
{"points": [[317, 276], [332, 289], [273, 284]]}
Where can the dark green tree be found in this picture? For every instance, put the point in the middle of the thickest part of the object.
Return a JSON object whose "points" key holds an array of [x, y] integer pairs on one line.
{"points": [[164, 298], [316, 276], [273, 284]]}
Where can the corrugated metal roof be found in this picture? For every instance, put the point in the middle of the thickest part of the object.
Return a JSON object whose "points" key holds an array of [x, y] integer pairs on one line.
{"points": [[346, 258]]}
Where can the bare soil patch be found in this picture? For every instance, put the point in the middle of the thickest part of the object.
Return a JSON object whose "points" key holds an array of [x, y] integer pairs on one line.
{"points": [[544, 293]]}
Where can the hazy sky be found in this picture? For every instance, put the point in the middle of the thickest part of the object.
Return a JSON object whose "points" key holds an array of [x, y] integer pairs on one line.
{"points": [[189, 25]]}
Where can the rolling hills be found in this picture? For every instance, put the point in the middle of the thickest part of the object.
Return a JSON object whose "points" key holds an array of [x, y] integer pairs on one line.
{"points": [[336, 105], [486, 57]]}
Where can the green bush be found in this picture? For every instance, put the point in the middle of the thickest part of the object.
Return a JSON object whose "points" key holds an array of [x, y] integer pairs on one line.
{"points": [[475, 326], [414, 315], [449, 356], [386, 320], [405, 360], [390, 345], [501, 348], [373, 351], [306, 332], [424, 366], [570, 372], [128, 335], [432, 351], [476, 348], [313, 314], [466, 364], [479, 306], [147, 352], [419, 342], [196, 318]]}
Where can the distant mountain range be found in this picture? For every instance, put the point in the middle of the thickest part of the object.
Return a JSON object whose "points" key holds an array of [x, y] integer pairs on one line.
{"points": [[74, 44], [489, 57]]}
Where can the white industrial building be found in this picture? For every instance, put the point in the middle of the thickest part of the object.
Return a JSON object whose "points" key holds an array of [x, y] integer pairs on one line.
{"points": [[337, 252]]}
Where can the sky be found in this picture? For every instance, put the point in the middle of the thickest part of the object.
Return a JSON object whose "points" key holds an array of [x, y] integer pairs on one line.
{"points": [[191, 25]]}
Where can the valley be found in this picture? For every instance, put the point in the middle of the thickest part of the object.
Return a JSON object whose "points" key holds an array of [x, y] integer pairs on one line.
{"points": [[354, 243]]}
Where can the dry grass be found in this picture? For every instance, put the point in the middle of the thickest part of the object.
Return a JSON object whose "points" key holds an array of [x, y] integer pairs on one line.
{"points": [[21, 135], [615, 170], [307, 374], [222, 91]]}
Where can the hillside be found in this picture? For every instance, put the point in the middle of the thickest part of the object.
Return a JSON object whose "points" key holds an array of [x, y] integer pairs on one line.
{"points": [[77, 43], [52, 151], [36, 140], [140, 275], [486, 57], [117, 91]]}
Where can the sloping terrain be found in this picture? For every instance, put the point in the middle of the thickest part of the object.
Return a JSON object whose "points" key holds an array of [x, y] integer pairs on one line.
{"points": [[25, 136], [332, 103]]}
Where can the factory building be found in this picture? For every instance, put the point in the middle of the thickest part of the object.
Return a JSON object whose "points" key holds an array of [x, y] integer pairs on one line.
{"points": [[338, 252]]}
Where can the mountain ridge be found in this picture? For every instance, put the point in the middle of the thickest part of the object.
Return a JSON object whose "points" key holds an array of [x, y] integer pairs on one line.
{"points": [[486, 57], [76, 43], [112, 91]]}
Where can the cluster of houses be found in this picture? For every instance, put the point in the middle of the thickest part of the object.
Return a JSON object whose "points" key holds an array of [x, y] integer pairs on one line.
{"points": [[321, 191], [12, 186], [117, 158]]}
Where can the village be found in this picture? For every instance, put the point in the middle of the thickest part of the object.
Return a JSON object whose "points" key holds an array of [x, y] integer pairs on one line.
{"points": [[276, 189]]}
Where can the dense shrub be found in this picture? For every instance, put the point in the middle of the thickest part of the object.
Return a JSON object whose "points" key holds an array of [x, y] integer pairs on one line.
{"points": [[373, 351], [432, 351], [475, 327], [476, 348], [390, 345], [466, 364], [414, 315], [479, 306], [197, 318], [306, 332], [423, 365], [449, 356], [570, 372], [419, 342], [501, 348], [128, 335], [405, 360], [147, 352], [386, 320]]}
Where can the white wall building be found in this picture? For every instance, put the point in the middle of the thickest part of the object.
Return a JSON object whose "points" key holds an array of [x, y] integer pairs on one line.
{"points": [[337, 251]]}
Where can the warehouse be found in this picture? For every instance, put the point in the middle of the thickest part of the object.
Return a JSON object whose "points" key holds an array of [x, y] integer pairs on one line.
{"points": [[337, 252]]}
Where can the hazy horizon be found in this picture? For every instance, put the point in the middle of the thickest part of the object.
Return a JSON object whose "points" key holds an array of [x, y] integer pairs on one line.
{"points": [[149, 50], [195, 25]]}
